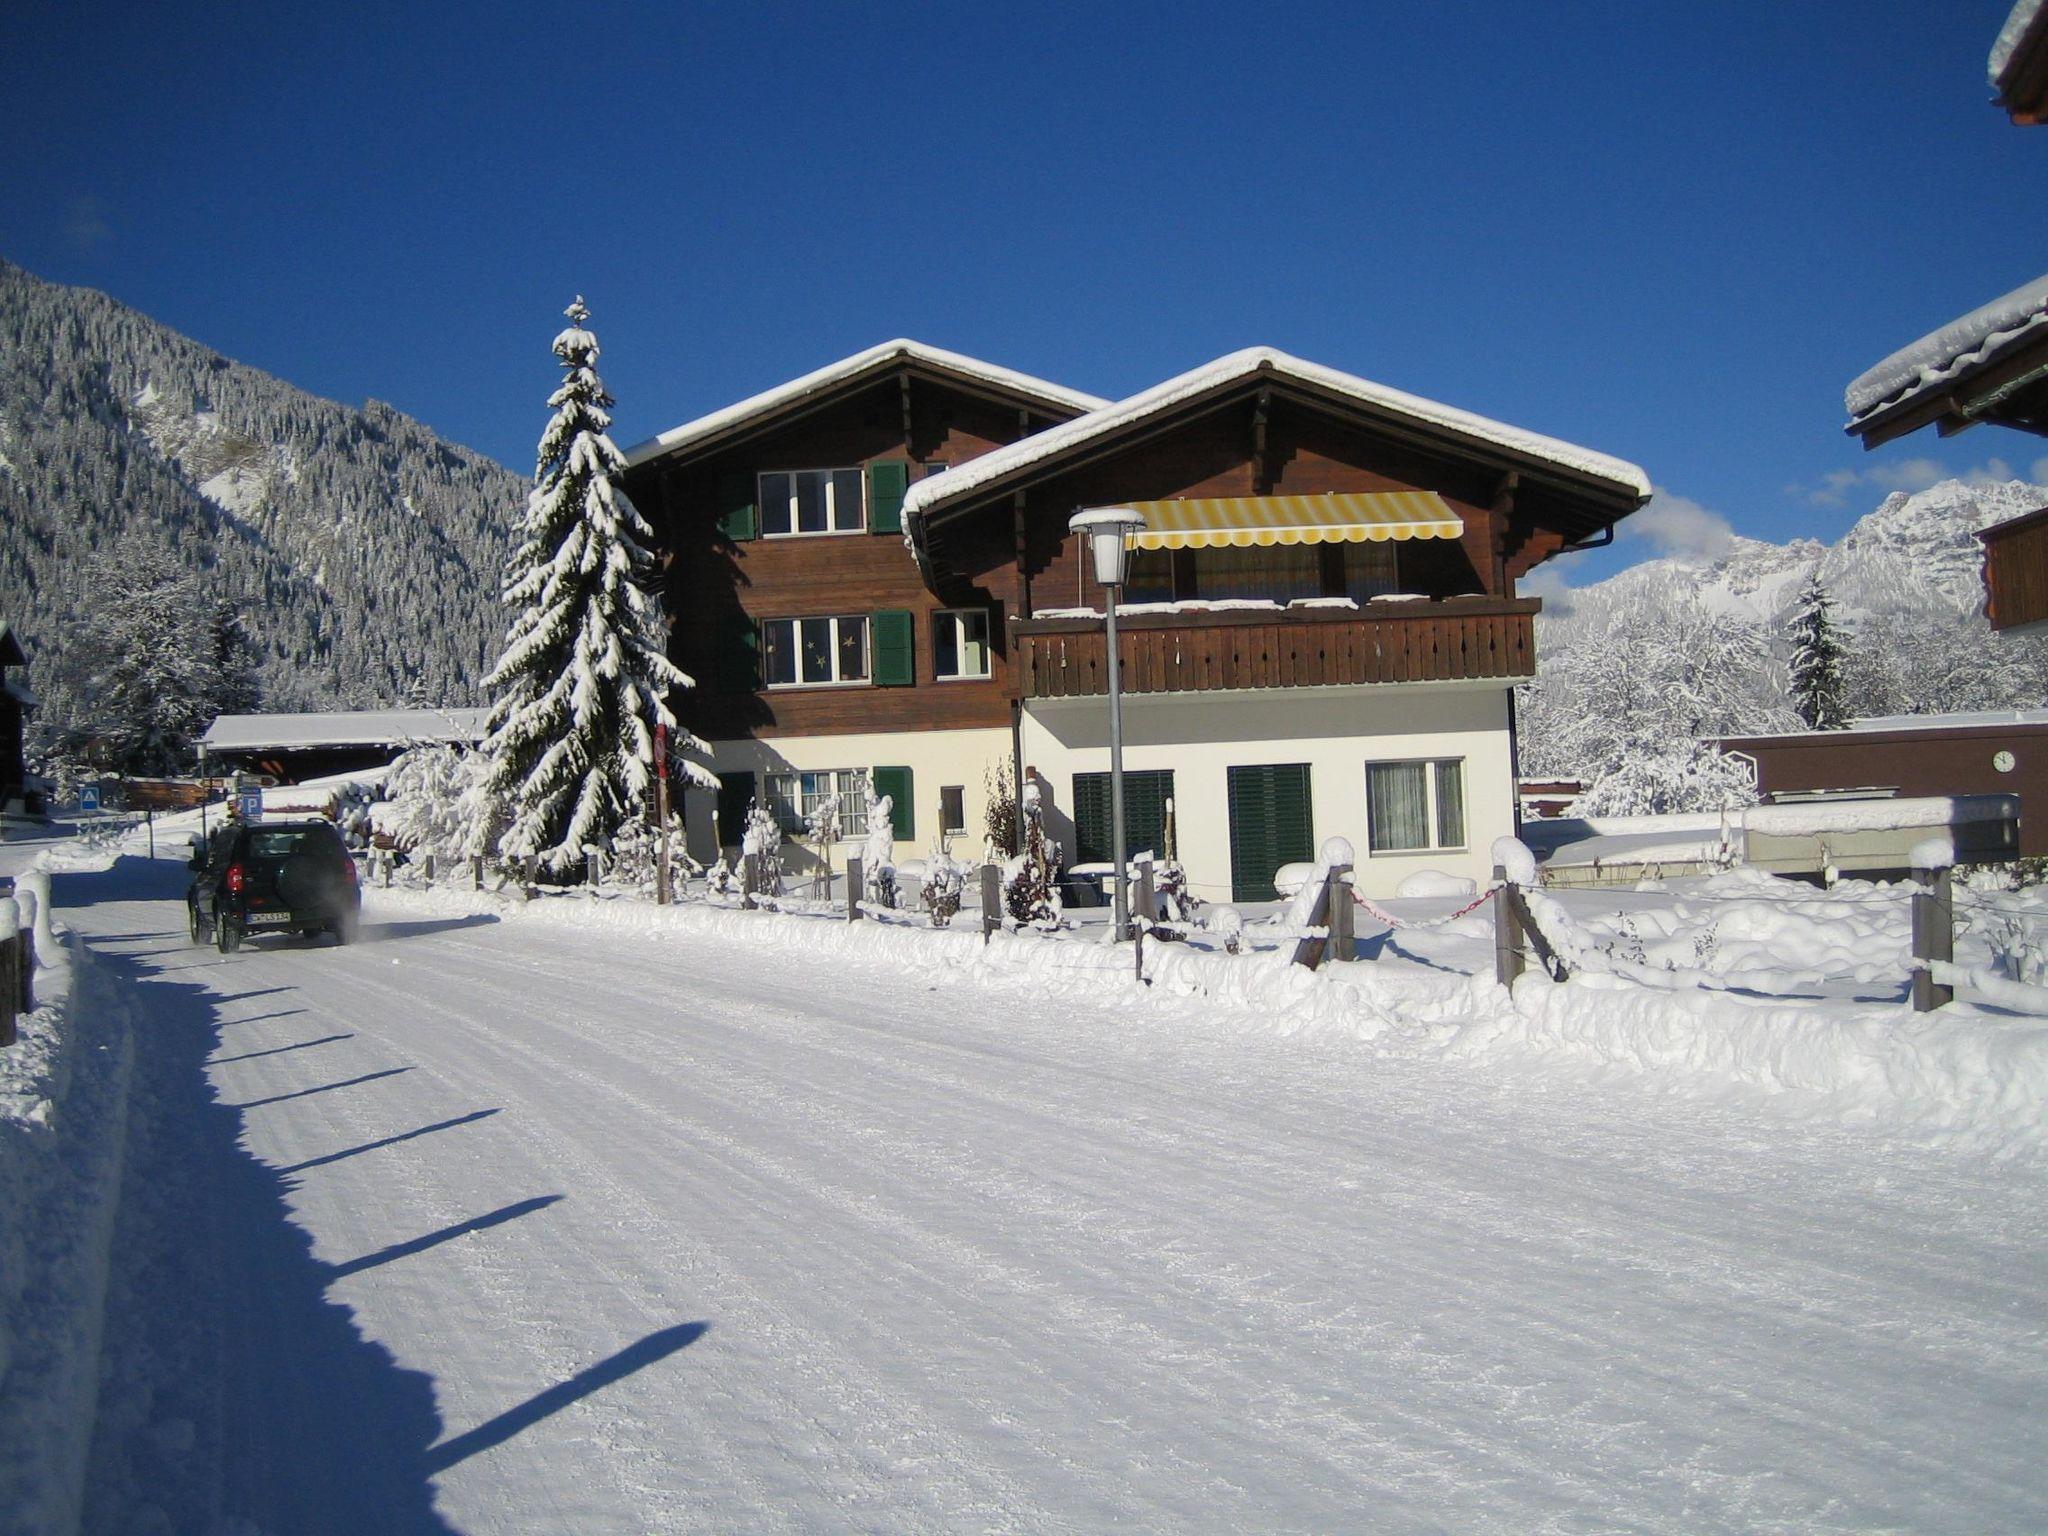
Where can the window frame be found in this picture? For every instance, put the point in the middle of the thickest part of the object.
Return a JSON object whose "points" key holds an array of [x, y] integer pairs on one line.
{"points": [[1432, 779], [988, 659], [793, 814], [795, 623], [831, 475]]}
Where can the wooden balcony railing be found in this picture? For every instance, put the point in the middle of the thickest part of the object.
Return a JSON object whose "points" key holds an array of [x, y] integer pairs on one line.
{"points": [[1424, 642], [2016, 571]]}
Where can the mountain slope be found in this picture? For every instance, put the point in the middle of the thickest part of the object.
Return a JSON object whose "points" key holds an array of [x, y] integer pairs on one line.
{"points": [[363, 553], [1916, 549]]}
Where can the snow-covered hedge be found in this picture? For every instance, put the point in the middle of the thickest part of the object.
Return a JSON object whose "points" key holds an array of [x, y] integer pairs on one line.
{"points": [[63, 1116]]}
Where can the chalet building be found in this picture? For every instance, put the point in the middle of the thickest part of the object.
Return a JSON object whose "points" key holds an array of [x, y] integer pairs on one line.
{"points": [[872, 572], [16, 794]]}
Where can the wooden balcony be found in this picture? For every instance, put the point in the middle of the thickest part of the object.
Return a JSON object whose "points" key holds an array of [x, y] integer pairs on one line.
{"points": [[1430, 642]]}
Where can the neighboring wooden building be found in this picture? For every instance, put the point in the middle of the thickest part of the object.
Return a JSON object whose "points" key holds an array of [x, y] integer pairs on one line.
{"points": [[1321, 635], [16, 701], [2019, 64], [1990, 365], [1980, 753], [290, 749]]}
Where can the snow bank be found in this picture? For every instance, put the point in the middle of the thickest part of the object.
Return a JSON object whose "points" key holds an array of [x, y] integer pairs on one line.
{"points": [[63, 1118], [1653, 999]]}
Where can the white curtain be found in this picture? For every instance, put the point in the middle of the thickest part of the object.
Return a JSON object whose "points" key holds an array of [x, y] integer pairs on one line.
{"points": [[1397, 806]]}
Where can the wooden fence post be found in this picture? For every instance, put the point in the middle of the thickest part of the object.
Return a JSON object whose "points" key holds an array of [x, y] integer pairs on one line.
{"points": [[1934, 936], [749, 870], [1507, 929], [991, 901], [476, 871], [1343, 912], [1310, 950], [427, 868], [593, 868], [853, 888], [388, 861]]}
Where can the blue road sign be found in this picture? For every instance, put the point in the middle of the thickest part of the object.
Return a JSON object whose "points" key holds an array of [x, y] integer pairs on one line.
{"points": [[249, 805], [89, 797]]}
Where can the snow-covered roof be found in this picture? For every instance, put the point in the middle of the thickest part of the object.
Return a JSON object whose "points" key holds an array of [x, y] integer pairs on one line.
{"points": [[834, 375], [2018, 23], [18, 691], [1955, 720], [926, 495], [347, 728], [1951, 351]]}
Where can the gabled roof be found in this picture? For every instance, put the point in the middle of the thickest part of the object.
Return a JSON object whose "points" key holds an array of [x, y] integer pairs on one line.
{"points": [[2019, 63], [1956, 373], [852, 372], [344, 728], [11, 653], [933, 498]]}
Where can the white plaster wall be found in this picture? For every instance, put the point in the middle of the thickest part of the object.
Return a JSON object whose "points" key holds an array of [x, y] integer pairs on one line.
{"points": [[934, 758], [1336, 731]]}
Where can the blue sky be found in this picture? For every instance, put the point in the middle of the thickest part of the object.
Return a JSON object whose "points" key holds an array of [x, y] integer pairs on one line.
{"points": [[1669, 231]]}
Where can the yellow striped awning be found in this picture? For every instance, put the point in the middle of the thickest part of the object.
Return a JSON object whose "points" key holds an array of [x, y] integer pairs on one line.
{"points": [[1336, 518]]}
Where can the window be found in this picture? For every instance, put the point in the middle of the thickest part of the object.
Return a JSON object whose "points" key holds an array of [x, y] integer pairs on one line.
{"points": [[1279, 573], [1147, 794], [934, 469], [1411, 807], [798, 653], [960, 642], [795, 501], [953, 808], [795, 798]]}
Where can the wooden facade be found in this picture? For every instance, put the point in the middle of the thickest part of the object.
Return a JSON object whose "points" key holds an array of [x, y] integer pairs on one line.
{"points": [[1005, 550], [2016, 572]]}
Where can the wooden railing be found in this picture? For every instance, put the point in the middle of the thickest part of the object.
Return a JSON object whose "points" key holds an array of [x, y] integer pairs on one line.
{"points": [[1424, 642]]}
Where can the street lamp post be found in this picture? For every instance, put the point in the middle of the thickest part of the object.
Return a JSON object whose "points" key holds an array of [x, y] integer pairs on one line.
{"points": [[1106, 529]]}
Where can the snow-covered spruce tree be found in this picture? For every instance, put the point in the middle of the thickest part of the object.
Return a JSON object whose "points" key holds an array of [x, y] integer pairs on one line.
{"points": [[1819, 688], [584, 676], [1031, 880]]}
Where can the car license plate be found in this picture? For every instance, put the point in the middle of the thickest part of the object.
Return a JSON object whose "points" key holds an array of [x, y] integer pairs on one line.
{"points": [[268, 919]]}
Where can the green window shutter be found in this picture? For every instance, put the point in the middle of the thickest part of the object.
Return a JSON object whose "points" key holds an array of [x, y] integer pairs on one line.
{"points": [[1146, 792], [895, 659], [886, 486], [896, 784], [1270, 825], [735, 794], [740, 663], [737, 517]]}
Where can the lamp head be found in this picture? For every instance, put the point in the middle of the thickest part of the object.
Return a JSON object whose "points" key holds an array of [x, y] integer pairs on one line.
{"points": [[1106, 529]]}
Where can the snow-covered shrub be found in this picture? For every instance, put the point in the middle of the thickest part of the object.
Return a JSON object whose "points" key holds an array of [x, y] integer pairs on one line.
{"points": [[429, 801], [1689, 776], [878, 847], [1177, 904], [1228, 925], [999, 819], [635, 860], [1434, 884], [719, 879], [1031, 890], [944, 881]]}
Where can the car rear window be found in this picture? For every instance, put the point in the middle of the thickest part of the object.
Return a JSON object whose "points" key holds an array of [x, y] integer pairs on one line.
{"points": [[283, 844]]}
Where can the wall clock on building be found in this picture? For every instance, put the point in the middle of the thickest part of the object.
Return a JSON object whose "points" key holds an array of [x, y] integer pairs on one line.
{"points": [[2002, 761]]}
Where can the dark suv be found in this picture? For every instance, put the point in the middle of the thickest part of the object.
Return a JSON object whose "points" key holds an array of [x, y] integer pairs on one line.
{"points": [[282, 875]]}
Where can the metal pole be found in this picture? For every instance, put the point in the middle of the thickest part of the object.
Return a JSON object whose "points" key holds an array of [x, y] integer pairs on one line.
{"points": [[1116, 771]]}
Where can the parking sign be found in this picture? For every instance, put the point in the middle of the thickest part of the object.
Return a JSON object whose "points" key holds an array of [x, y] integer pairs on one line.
{"points": [[88, 797], [249, 805]]}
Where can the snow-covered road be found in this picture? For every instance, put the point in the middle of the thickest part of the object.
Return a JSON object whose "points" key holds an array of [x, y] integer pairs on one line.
{"points": [[499, 1226]]}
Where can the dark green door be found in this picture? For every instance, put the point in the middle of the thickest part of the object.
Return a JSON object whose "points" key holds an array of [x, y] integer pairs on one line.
{"points": [[1269, 826]]}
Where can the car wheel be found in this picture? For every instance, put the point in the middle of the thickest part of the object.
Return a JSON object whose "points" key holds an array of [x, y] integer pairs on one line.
{"points": [[345, 929], [228, 933], [201, 932]]}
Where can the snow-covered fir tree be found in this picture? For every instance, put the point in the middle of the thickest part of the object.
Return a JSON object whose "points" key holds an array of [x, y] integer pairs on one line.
{"points": [[1819, 687], [1031, 888], [584, 677], [430, 801]]}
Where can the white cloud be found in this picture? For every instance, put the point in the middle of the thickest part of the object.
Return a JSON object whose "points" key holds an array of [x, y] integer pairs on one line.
{"points": [[1548, 581], [1680, 527], [1905, 475], [2039, 473]]}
